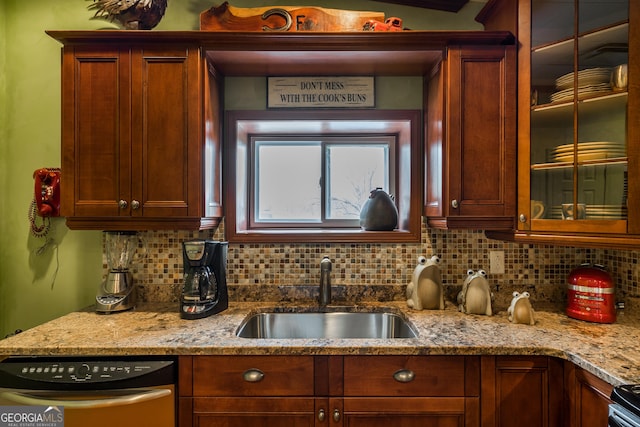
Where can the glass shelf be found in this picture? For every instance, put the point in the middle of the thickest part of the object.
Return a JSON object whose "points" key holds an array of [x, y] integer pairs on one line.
{"points": [[570, 165], [593, 105], [606, 47]]}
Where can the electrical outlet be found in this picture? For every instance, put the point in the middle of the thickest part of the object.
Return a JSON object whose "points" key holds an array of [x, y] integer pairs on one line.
{"points": [[496, 262]]}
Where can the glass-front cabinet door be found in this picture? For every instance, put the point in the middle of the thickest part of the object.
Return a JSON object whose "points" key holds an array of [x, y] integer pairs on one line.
{"points": [[578, 113]]}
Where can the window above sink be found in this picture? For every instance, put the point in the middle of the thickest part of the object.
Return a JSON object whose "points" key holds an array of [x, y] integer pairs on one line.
{"points": [[396, 134]]}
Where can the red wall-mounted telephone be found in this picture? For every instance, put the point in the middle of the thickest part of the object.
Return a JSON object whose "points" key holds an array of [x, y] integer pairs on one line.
{"points": [[47, 191]]}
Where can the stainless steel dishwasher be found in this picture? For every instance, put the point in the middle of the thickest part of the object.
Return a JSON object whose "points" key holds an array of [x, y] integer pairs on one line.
{"points": [[97, 392]]}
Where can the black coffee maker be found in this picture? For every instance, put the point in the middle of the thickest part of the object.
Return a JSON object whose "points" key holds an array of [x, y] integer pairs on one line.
{"points": [[205, 281]]}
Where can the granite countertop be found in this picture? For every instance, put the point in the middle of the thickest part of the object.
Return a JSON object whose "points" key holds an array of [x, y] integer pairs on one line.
{"points": [[609, 351]]}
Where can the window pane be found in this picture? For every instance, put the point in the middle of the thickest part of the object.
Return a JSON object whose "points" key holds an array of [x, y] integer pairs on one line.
{"points": [[288, 181], [353, 171]]}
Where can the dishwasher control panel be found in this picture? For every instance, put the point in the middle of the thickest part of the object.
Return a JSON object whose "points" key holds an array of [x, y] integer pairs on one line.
{"points": [[20, 372]]}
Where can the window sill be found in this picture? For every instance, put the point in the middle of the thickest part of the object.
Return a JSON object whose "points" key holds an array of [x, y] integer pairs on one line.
{"points": [[323, 236]]}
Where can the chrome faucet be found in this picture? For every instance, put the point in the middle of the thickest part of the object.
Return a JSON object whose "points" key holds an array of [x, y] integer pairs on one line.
{"points": [[325, 281]]}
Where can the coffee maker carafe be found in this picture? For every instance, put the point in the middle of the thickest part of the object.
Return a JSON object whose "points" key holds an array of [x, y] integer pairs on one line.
{"points": [[117, 292], [205, 283]]}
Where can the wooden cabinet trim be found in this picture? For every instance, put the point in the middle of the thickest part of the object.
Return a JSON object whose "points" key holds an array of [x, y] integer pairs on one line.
{"points": [[222, 404], [185, 376], [405, 405]]}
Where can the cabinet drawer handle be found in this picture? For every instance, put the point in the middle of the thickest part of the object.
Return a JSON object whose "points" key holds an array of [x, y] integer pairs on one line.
{"points": [[454, 204], [122, 204], [253, 375], [522, 218], [404, 376], [135, 204], [321, 415], [336, 415]]}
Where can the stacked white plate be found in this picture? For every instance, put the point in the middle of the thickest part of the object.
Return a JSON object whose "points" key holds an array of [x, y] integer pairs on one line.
{"points": [[606, 212], [588, 77], [588, 151], [583, 92], [602, 212], [591, 81]]}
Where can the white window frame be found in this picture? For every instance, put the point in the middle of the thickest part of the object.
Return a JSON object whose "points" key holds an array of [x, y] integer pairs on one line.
{"points": [[323, 141], [241, 125]]}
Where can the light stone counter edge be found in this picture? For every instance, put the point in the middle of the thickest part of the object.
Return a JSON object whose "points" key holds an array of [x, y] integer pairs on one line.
{"points": [[611, 352]]}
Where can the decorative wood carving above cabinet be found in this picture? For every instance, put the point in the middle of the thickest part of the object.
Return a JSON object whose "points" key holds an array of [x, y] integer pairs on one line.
{"points": [[141, 113]]}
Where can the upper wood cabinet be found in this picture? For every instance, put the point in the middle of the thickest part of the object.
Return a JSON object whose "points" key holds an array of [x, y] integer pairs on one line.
{"points": [[133, 137], [578, 181], [141, 127], [470, 128]]}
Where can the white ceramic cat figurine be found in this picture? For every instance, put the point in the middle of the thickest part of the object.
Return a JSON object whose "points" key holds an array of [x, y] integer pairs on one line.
{"points": [[425, 289], [520, 310], [475, 296]]}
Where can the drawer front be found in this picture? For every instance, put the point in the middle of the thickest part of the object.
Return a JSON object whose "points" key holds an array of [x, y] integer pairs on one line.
{"points": [[253, 376], [404, 376]]}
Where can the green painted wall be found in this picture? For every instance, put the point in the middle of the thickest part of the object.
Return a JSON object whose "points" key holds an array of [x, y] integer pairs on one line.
{"points": [[38, 285], [3, 153]]}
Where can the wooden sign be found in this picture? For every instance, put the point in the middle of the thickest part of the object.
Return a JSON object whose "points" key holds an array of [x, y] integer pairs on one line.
{"points": [[320, 92]]}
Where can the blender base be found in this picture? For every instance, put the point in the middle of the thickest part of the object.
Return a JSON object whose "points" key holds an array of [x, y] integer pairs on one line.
{"points": [[112, 303]]}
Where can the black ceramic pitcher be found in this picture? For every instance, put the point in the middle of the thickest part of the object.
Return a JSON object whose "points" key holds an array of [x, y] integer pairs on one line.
{"points": [[379, 212]]}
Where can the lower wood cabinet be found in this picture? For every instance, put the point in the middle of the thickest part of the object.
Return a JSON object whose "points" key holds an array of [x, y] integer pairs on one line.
{"points": [[382, 391], [410, 391], [331, 391], [522, 391], [589, 398], [269, 391]]}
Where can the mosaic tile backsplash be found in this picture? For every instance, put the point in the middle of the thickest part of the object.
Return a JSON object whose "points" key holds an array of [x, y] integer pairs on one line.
{"points": [[271, 272]]}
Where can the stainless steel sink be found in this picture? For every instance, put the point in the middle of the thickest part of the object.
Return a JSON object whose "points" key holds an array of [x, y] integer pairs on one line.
{"points": [[334, 324]]}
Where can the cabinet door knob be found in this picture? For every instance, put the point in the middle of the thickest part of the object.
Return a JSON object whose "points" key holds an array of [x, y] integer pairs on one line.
{"points": [[123, 204], [522, 218], [253, 375], [135, 204], [321, 415], [404, 376], [336, 415], [454, 204]]}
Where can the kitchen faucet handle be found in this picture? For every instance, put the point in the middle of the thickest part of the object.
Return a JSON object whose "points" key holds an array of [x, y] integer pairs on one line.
{"points": [[325, 263]]}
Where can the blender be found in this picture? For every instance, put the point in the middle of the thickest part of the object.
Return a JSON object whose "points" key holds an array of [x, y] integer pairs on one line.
{"points": [[117, 292]]}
